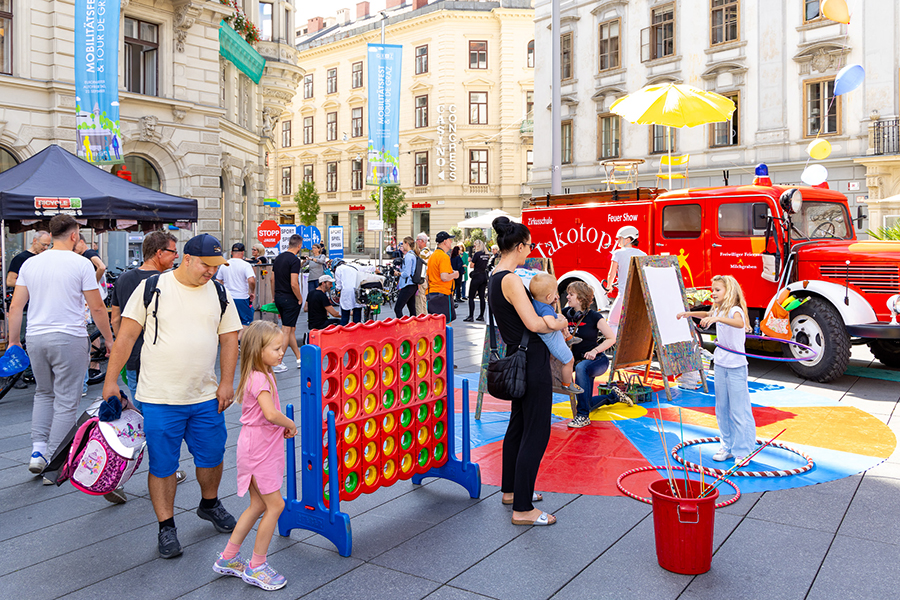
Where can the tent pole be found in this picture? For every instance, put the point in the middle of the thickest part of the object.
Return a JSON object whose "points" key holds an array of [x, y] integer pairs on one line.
{"points": [[6, 309]]}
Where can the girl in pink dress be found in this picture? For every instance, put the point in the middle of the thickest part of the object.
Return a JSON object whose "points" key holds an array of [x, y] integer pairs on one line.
{"points": [[260, 457]]}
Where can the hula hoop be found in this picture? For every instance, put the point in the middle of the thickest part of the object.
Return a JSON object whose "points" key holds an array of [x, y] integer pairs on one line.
{"points": [[781, 473], [774, 358], [737, 492]]}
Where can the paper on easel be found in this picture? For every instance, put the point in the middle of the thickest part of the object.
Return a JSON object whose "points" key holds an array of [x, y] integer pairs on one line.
{"points": [[667, 303]]}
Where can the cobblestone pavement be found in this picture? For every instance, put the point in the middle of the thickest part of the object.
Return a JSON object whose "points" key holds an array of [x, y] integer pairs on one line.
{"points": [[833, 540]]}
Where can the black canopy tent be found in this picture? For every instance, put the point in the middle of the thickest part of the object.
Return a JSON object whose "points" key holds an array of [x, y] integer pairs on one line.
{"points": [[55, 181]]}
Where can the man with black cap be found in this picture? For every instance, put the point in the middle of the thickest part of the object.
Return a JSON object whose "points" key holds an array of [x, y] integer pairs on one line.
{"points": [[185, 322], [320, 305], [240, 281], [440, 278]]}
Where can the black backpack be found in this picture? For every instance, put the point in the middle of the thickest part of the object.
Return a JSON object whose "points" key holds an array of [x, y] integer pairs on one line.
{"points": [[418, 274], [151, 290]]}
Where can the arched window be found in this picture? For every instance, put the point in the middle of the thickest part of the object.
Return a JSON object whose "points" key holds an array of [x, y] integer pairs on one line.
{"points": [[529, 56], [7, 160], [142, 172]]}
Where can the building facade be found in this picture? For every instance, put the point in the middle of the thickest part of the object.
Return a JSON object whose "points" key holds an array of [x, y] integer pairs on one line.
{"points": [[777, 60], [198, 105], [465, 133]]}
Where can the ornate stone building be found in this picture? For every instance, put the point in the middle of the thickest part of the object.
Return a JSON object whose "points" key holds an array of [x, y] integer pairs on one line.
{"points": [[465, 128], [198, 104], [777, 60]]}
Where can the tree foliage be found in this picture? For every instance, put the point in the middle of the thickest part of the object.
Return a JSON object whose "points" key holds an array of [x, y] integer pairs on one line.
{"points": [[395, 204], [307, 199], [886, 233]]}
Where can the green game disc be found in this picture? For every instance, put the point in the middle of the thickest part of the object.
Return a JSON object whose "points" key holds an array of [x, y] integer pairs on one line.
{"points": [[406, 418], [406, 440], [325, 495], [405, 394], [351, 482], [423, 413], [405, 349], [405, 372], [438, 430], [438, 344], [439, 452], [388, 399], [423, 390], [438, 366], [423, 457], [438, 408], [325, 464]]}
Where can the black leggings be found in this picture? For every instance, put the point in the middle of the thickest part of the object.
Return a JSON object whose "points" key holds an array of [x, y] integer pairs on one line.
{"points": [[406, 297], [478, 286]]}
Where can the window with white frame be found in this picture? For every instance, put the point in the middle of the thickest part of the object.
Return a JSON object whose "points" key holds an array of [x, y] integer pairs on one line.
{"points": [[608, 140], [421, 59], [608, 46], [567, 137], [478, 55], [822, 109], [658, 136], [529, 55], [356, 75], [331, 179], [307, 130], [529, 164], [285, 181], [478, 113], [727, 133], [356, 122], [331, 81], [478, 167], [6, 21], [141, 56], [286, 134], [309, 173], [265, 21], [421, 111], [356, 174], [723, 21], [421, 169], [331, 127], [658, 40], [308, 86], [565, 48]]}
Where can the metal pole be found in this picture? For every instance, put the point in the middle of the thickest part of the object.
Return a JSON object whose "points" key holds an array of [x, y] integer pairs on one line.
{"points": [[3, 251], [555, 101], [380, 185]]}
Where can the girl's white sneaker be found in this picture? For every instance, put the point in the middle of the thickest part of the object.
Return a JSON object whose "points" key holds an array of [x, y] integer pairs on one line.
{"points": [[722, 455]]}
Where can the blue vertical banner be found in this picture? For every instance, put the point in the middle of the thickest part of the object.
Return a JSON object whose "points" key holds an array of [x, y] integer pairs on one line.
{"points": [[384, 114], [97, 81]]}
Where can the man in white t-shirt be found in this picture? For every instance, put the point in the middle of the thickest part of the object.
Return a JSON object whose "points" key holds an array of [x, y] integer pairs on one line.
{"points": [[239, 279], [56, 284], [184, 324]]}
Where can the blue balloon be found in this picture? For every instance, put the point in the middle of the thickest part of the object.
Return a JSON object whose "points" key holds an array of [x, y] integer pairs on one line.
{"points": [[848, 79]]}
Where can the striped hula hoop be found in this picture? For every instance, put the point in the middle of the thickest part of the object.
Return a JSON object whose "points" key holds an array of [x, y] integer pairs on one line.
{"points": [[781, 473], [732, 500]]}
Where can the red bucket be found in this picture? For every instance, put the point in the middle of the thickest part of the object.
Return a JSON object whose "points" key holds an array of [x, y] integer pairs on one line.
{"points": [[683, 526]]}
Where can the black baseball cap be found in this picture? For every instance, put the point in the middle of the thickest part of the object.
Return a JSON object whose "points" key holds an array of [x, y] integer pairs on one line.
{"points": [[237, 247], [206, 248], [443, 236]]}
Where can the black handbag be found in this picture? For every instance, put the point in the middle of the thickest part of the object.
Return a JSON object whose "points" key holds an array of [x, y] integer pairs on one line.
{"points": [[506, 376]]}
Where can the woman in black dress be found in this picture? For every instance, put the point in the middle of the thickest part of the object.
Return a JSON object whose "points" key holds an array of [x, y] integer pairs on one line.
{"points": [[529, 421], [456, 263], [478, 264]]}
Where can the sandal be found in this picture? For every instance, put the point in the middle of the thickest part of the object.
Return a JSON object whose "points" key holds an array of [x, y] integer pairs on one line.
{"points": [[544, 519], [535, 497]]}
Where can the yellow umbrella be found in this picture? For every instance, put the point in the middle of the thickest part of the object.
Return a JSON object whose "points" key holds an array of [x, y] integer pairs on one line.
{"points": [[673, 105]]}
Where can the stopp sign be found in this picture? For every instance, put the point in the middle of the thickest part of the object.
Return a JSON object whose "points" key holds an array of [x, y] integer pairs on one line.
{"points": [[268, 233]]}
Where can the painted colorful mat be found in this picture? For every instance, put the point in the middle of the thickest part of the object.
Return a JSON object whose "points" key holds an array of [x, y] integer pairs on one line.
{"points": [[842, 440]]}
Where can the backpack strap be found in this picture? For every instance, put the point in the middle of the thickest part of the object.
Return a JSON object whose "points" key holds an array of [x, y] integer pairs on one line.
{"points": [[151, 293], [223, 297]]}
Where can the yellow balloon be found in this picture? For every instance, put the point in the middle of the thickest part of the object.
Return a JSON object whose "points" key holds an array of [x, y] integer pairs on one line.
{"points": [[819, 149], [836, 10]]}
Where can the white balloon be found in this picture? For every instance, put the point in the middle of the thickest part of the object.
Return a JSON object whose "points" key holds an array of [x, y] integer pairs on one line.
{"points": [[814, 175]]}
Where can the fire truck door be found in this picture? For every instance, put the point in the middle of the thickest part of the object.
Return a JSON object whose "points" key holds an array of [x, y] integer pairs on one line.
{"points": [[738, 240], [681, 232]]}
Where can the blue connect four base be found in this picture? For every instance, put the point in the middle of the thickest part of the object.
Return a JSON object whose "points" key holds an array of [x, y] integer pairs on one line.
{"points": [[310, 512]]}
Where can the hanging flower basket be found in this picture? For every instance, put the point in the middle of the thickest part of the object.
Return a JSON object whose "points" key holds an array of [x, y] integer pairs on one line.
{"points": [[241, 23]]}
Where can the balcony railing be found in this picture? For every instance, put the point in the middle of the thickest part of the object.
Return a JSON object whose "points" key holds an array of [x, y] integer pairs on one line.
{"points": [[527, 126], [886, 136]]}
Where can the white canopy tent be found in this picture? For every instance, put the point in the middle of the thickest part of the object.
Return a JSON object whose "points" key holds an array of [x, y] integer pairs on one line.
{"points": [[484, 221]]}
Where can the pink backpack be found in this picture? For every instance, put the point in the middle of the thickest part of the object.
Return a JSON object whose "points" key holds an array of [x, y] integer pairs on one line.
{"points": [[105, 455]]}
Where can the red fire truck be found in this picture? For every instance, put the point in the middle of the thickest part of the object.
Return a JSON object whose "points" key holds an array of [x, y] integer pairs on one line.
{"points": [[806, 232]]}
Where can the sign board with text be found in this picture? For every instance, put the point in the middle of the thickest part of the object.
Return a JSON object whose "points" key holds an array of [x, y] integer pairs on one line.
{"points": [[286, 232], [268, 233], [335, 242]]}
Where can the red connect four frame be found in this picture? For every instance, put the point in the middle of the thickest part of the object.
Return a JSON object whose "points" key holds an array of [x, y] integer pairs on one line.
{"points": [[382, 394]]}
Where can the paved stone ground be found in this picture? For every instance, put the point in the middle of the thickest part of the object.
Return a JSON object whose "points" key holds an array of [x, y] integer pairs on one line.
{"points": [[833, 540]]}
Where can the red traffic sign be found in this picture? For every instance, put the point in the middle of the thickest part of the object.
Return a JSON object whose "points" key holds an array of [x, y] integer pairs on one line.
{"points": [[268, 233]]}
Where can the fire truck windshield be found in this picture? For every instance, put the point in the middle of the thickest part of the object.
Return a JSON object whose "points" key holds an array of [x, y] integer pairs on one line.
{"points": [[818, 219]]}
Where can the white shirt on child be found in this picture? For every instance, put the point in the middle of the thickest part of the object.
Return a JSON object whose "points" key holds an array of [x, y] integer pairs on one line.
{"points": [[732, 338]]}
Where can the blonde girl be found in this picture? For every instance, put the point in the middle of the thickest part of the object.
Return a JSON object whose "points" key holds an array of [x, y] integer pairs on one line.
{"points": [[733, 411], [260, 457]]}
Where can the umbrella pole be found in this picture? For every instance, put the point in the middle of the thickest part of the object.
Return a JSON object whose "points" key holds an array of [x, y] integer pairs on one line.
{"points": [[669, 152]]}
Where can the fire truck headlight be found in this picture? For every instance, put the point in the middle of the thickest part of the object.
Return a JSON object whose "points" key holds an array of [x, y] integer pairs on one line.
{"points": [[791, 201], [893, 304]]}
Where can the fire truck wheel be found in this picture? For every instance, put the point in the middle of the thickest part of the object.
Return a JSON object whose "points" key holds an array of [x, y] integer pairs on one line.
{"points": [[818, 325], [887, 351]]}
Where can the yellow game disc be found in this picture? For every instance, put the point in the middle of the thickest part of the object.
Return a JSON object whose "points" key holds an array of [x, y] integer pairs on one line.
{"points": [[422, 347], [388, 423], [350, 408], [422, 368], [388, 446], [369, 356], [423, 435], [350, 458], [371, 403], [370, 379], [371, 475], [387, 353], [389, 469], [406, 463], [351, 433], [438, 387], [370, 428], [387, 376], [370, 452]]}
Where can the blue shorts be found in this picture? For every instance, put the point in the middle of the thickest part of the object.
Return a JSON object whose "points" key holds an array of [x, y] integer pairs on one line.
{"points": [[201, 425], [245, 311]]}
